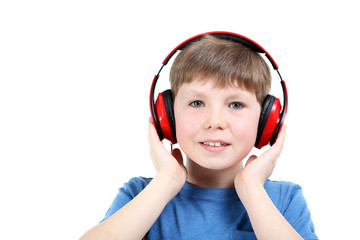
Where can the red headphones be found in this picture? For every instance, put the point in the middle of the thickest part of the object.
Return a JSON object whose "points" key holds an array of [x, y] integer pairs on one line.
{"points": [[271, 117]]}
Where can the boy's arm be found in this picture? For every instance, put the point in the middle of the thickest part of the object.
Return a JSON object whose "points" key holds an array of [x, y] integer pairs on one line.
{"points": [[266, 220], [135, 219]]}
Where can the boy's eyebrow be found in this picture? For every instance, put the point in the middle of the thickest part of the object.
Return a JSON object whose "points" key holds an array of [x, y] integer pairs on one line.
{"points": [[195, 92], [241, 95]]}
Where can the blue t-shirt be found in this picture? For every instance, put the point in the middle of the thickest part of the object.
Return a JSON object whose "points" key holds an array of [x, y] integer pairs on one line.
{"points": [[216, 213]]}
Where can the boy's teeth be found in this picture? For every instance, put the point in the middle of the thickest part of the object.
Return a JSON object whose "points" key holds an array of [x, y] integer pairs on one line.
{"points": [[214, 144]]}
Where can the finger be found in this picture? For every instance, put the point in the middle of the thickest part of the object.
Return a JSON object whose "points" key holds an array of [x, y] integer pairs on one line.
{"points": [[153, 136], [279, 144], [275, 150], [151, 120], [154, 141]]}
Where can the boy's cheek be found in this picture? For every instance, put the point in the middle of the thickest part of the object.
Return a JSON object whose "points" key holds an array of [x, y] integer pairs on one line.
{"points": [[185, 127]]}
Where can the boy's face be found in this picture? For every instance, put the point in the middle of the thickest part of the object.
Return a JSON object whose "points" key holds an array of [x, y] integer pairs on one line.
{"points": [[215, 127]]}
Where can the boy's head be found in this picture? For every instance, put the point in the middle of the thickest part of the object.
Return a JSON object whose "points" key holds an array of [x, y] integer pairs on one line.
{"points": [[219, 86], [224, 61], [227, 63]]}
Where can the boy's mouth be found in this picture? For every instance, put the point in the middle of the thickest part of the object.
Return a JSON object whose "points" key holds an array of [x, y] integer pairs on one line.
{"points": [[214, 144]]}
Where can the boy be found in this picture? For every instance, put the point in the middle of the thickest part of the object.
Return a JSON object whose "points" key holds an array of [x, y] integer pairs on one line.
{"points": [[218, 87]]}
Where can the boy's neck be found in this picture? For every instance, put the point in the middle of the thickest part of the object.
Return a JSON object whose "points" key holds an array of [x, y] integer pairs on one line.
{"points": [[203, 177]]}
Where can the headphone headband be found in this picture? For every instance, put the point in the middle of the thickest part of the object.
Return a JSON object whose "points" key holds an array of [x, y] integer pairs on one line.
{"points": [[227, 36]]}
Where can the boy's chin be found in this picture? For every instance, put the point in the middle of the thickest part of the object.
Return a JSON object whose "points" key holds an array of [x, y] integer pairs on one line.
{"points": [[214, 164]]}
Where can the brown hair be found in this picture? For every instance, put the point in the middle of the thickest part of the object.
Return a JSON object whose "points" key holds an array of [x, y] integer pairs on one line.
{"points": [[228, 63]]}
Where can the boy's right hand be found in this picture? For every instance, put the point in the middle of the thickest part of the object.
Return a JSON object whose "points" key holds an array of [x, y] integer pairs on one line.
{"points": [[151, 201], [168, 166]]}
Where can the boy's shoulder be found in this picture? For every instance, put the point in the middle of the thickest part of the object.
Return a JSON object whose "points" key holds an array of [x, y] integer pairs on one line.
{"points": [[135, 185], [282, 188], [282, 193], [277, 185], [143, 181]]}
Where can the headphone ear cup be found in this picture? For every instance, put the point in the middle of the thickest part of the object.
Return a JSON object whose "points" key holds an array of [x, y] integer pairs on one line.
{"points": [[165, 116], [268, 122], [169, 107]]}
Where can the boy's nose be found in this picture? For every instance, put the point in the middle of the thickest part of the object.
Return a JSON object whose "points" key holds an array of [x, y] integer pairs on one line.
{"points": [[215, 120]]}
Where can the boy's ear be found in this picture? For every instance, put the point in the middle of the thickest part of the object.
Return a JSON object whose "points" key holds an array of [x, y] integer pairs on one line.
{"points": [[268, 122], [165, 116]]}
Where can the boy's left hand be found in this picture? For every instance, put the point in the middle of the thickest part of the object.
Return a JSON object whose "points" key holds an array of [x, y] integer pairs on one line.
{"points": [[258, 169]]}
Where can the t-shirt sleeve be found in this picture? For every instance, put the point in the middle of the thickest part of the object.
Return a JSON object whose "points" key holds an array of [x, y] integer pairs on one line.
{"points": [[297, 213], [126, 193]]}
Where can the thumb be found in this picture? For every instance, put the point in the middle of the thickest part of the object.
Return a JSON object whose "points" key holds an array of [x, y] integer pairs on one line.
{"points": [[177, 155], [251, 158]]}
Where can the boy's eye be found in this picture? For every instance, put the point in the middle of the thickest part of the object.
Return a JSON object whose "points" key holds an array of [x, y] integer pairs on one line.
{"points": [[197, 104], [236, 105]]}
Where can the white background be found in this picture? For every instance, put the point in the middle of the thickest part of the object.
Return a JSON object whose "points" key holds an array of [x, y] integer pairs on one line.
{"points": [[74, 85]]}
